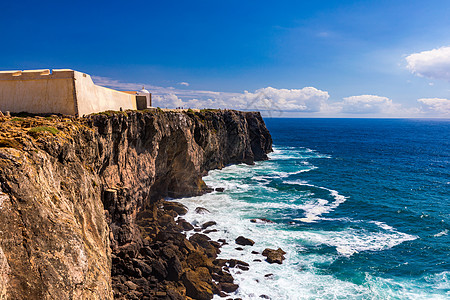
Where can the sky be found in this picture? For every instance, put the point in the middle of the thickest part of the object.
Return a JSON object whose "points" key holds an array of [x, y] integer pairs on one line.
{"points": [[284, 58]]}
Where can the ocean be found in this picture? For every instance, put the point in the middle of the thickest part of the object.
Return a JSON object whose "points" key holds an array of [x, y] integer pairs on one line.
{"points": [[361, 207]]}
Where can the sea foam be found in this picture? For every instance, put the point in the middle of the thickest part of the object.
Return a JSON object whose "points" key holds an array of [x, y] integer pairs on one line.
{"points": [[263, 191]]}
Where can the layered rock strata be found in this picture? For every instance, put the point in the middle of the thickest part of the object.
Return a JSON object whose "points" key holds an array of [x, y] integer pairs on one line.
{"points": [[81, 200]]}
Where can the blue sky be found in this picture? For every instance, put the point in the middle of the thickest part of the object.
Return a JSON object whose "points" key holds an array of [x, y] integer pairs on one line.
{"points": [[287, 58]]}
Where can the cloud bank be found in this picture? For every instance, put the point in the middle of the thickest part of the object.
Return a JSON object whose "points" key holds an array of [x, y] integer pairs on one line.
{"points": [[368, 104], [285, 102], [434, 64], [435, 105], [269, 99]]}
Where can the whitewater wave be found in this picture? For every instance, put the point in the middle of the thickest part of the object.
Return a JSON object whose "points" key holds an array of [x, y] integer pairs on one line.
{"points": [[315, 208], [442, 233], [289, 153], [351, 240], [256, 191]]}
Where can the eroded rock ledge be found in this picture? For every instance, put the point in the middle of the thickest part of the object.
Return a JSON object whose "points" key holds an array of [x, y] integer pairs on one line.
{"points": [[79, 197]]}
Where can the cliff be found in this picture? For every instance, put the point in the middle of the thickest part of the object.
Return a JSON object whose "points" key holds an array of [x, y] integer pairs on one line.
{"points": [[80, 198]]}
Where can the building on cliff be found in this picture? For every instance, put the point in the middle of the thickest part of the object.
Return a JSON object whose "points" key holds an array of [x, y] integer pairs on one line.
{"points": [[63, 91]]}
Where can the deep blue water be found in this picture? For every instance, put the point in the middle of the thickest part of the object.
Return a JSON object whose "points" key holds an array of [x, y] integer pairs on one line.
{"points": [[360, 205]]}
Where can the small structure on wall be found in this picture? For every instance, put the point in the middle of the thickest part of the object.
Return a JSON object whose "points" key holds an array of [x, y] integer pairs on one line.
{"points": [[63, 91], [143, 98]]}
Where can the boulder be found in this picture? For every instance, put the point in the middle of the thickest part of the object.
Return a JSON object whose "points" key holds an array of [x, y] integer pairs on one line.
{"points": [[175, 206], [233, 262], [262, 220], [243, 268], [198, 259], [228, 287], [159, 268], [208, 224], [203, 241], [222, 276], [244, 241], [201, 210], [220, 189], [131, 285], [185, 225], [146, 270], [174, 269], [274, 256], [198, 284], [165, 219]]}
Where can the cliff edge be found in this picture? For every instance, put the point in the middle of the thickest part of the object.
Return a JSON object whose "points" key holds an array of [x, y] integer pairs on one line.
{"points": [[80, 199]]}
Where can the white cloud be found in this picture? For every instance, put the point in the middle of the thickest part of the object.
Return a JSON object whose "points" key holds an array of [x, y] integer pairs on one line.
{"points": [[368, 104], [169, 100], [184, 83], [269, 99], [307, 99], [435, 105], [433, 64], [278, 102]]}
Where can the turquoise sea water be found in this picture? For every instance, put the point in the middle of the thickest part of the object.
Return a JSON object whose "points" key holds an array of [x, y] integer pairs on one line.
{"points": [[360, 206]]}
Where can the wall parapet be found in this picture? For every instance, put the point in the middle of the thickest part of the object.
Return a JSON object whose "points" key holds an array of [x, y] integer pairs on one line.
{"points": [[62, 91], [43, 74]]}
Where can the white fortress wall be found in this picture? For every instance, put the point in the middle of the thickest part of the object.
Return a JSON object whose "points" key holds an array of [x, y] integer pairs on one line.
{"points": [[93, 98], [37, 91]]}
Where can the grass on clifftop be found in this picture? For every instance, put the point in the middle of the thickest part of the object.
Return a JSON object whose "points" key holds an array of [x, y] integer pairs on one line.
{"points": [[109, 113], [36, 130]]}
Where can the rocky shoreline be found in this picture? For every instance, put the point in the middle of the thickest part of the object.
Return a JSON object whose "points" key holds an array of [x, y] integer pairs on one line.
{"points": [[168, 265], [82, 214]]}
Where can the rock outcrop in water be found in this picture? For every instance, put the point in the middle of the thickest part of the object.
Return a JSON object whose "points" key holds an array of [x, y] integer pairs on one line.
{"points": [[81, 200]]}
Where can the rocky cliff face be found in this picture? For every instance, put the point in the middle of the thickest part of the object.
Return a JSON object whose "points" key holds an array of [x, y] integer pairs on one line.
{"points": [[79, 197]]}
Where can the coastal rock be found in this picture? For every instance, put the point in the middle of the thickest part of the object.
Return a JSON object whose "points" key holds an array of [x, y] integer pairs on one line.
{"points": [[223, 277], [262, 220], [234, 262], [179, 208], [274, 256], [84, 190], [228, 287], [201, 210], [221, 190], [244, 241], [208, 224], [198, 284], [204, 242], [243, 268]]}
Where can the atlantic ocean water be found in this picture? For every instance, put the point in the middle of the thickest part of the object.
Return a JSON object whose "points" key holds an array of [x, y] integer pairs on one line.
{"points": [[361, 206]]}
